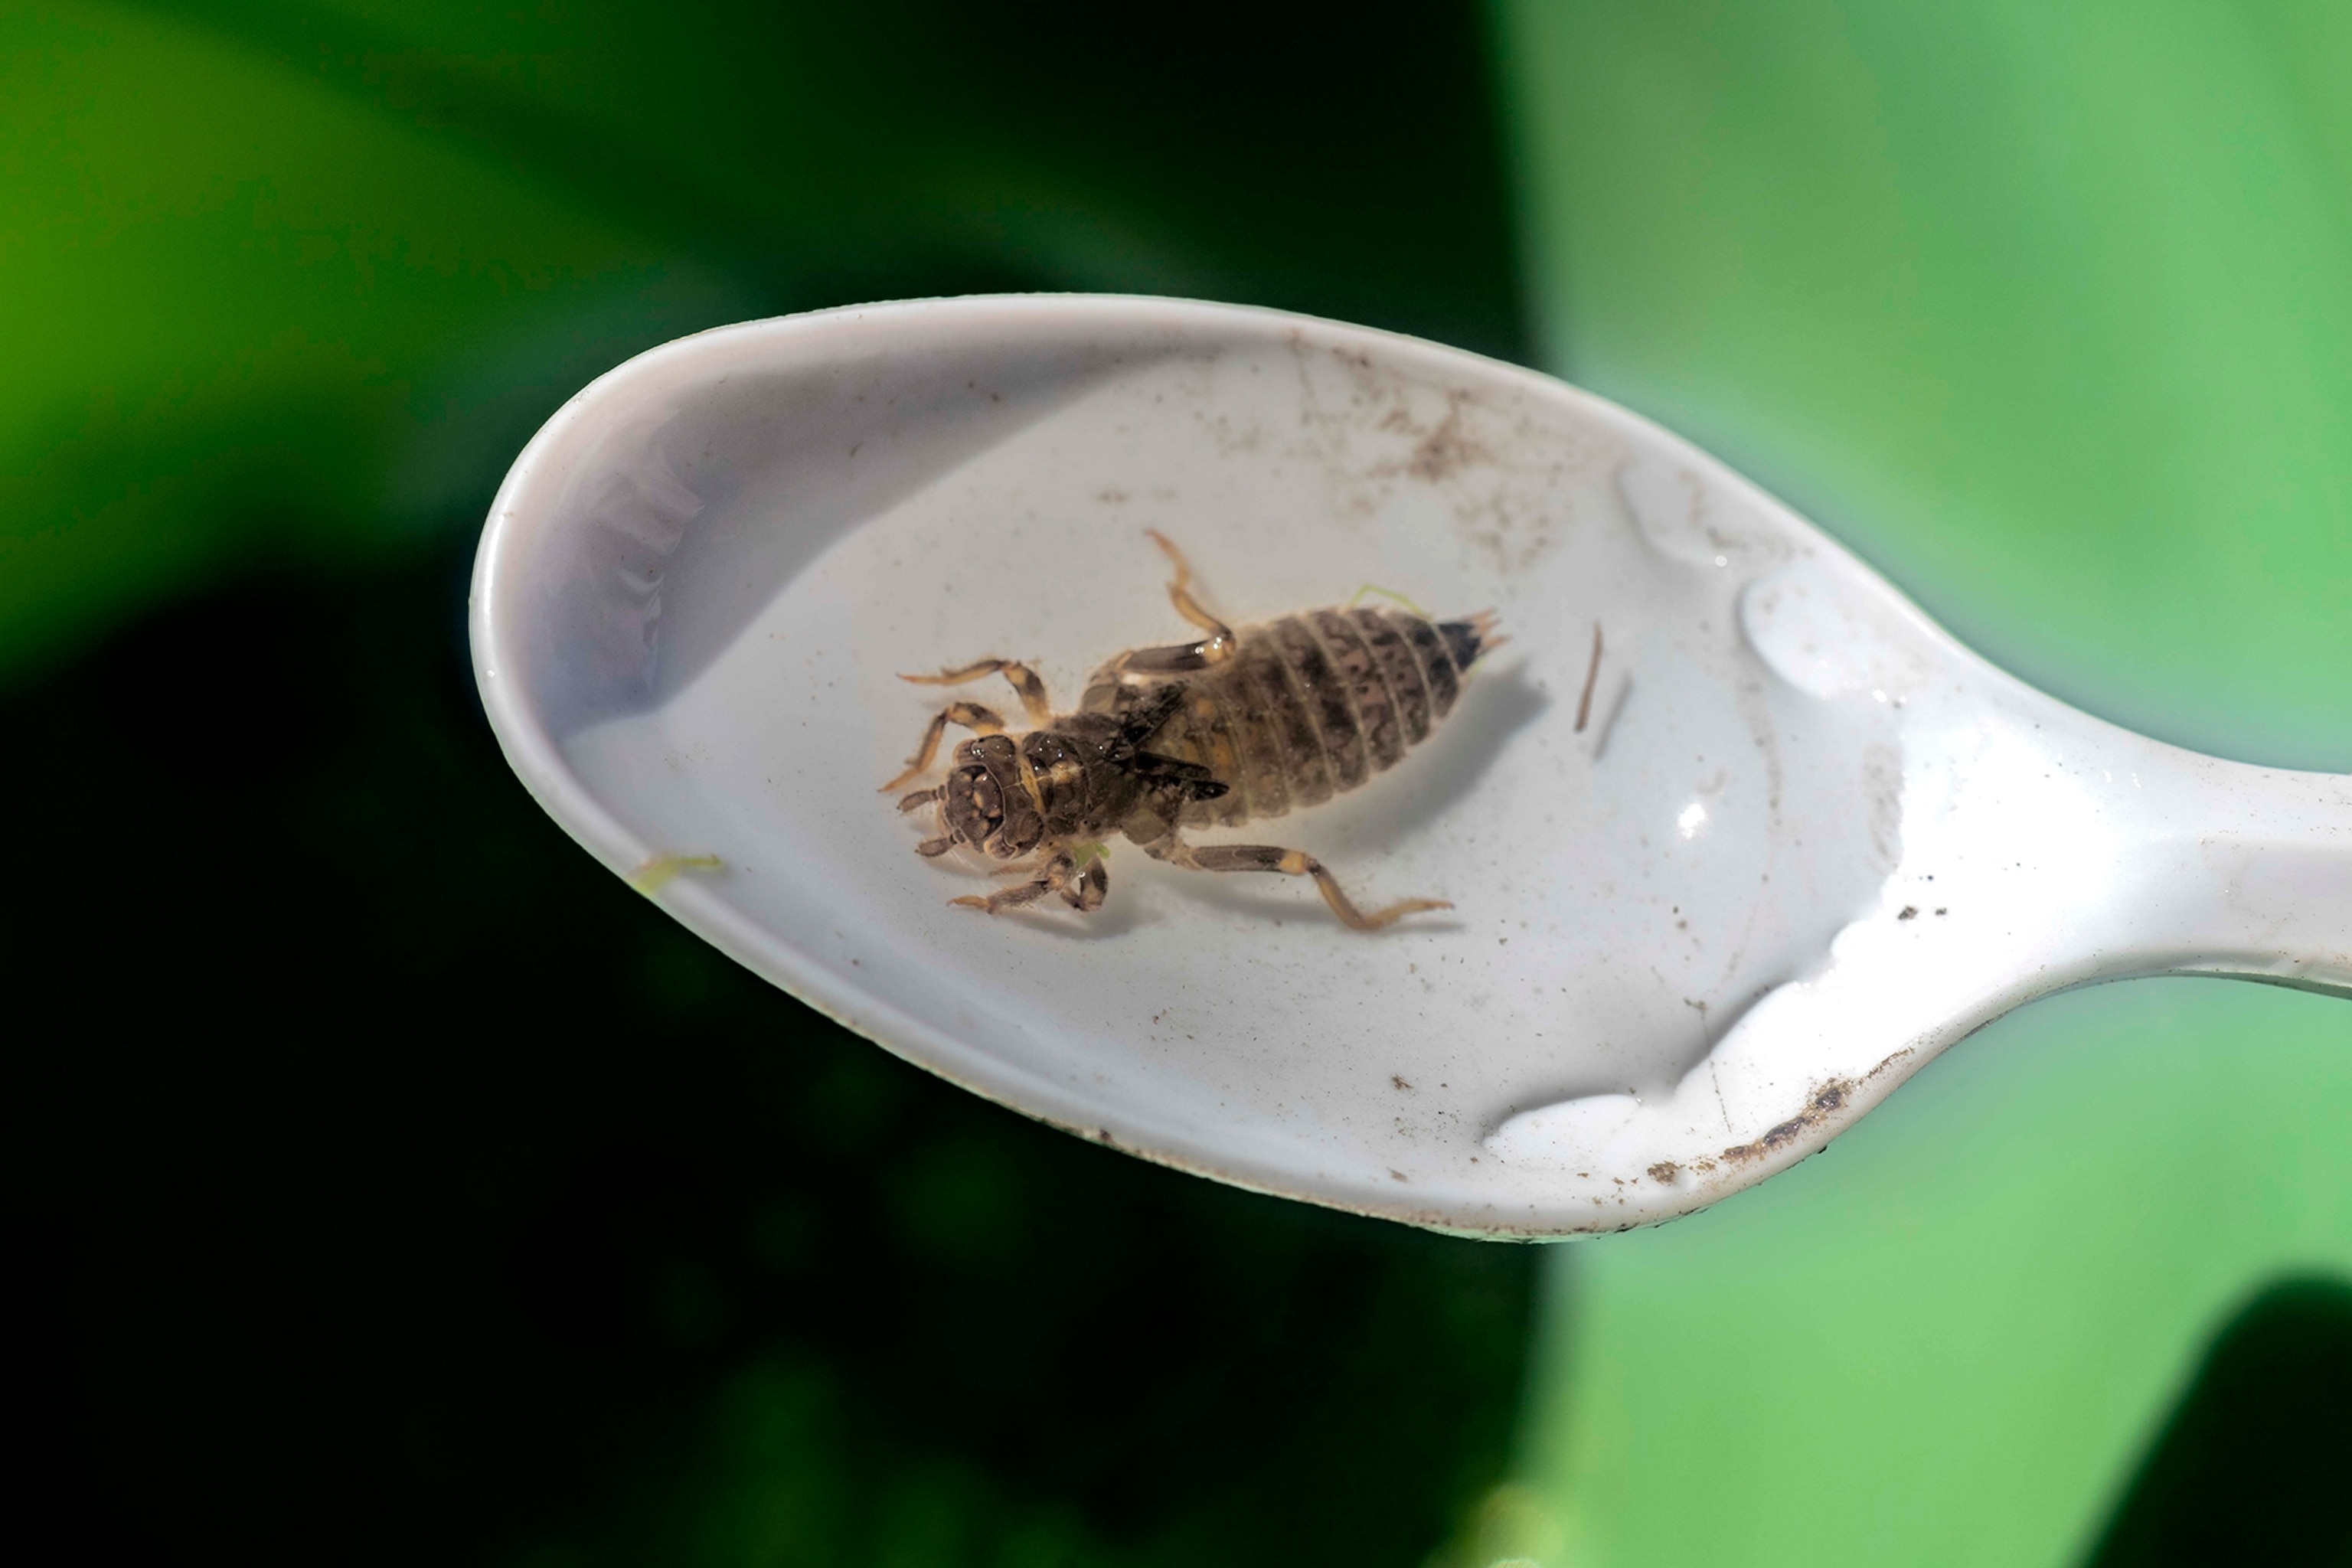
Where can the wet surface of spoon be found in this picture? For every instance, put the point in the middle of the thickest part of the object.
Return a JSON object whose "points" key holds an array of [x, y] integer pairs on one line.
{"points": [[1736, 838]]}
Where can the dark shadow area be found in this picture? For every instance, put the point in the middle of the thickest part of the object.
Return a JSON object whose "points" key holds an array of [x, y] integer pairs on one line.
{"points": [[384, 1181], [391, 1184], [2255, 1465]]}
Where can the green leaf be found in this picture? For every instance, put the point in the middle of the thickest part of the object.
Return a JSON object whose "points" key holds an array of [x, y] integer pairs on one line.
{"points": [[2048, 313]]}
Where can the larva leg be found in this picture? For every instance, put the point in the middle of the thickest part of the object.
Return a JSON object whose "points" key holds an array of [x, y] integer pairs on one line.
{"points": [[1053, 878], [1088, 888], [1176, 659], [970, 715], [1219, 645], [1031, 690], [1287, 863]]}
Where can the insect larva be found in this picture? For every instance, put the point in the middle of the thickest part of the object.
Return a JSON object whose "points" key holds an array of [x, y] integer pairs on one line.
{"points": [[1237, 726]]}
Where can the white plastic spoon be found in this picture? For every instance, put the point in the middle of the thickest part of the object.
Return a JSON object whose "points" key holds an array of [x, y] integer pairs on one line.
{"points": [[1796, 842]]}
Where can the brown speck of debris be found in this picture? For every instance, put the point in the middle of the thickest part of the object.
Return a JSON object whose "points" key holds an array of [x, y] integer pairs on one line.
{"points": [[1592, 676], [1398, 1078], [1828, 1099], [1910, 912], [1398, 1174], [1943, 912], [1665, 1172], [1445, 451]]}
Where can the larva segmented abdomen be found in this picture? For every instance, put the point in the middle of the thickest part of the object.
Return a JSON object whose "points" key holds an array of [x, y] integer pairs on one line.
{"points": [[1311, 705]]}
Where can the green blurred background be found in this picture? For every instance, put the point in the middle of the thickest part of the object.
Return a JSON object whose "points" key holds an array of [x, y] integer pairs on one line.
{"points": [[386, 1182]]}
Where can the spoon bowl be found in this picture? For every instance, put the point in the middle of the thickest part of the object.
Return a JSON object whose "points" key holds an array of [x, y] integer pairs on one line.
{"points": [[1736, 838]]}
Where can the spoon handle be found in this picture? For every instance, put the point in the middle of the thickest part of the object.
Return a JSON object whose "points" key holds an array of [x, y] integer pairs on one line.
{"points": [[2241, 870]]}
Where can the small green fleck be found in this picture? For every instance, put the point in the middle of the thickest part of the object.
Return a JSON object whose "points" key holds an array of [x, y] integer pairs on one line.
{"points": [[658, 872], [1387, 593]]}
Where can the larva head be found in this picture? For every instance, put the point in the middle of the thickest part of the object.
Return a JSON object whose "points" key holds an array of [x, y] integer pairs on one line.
{"points": [[986, 805]]}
